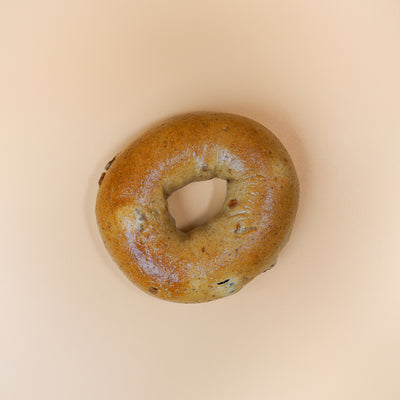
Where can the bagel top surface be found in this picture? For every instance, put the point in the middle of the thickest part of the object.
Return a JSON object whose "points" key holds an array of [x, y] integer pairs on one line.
{"points": [[215, 259]]}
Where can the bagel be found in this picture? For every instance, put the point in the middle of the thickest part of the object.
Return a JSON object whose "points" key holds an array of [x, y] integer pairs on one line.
{"points": [[215, 259]]}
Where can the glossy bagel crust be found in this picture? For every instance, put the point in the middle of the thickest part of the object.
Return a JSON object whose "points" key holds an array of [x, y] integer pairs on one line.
{"points": [[218, 258]]}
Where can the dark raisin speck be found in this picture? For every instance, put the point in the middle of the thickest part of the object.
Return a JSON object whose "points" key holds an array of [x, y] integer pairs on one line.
{"points": [[232, 203], [153, 290], [102, 177], [109, 164], [221, 283]]}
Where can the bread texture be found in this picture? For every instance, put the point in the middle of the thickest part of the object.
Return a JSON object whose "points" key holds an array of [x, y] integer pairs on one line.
{"points": [[218, 258]]}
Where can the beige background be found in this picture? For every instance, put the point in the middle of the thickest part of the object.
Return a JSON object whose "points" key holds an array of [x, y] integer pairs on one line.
{"points": [[80, 79]]}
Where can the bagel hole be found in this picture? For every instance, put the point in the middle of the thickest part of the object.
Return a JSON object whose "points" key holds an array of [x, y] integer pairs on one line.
{"points": [[196, 203]]}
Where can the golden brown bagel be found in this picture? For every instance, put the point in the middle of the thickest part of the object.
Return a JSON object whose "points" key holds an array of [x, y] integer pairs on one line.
{"points": [[218, 258]]}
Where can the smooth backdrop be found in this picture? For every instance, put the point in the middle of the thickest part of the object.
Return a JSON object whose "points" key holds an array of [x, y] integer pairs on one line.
{"points": [[80, 79]]}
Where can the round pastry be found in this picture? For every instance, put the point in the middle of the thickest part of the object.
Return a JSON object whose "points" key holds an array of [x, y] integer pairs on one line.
{"points": [[215, 259]]}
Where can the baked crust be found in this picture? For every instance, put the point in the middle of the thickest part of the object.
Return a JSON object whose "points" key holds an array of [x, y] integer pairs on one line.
{"points": [[218, 258]]}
